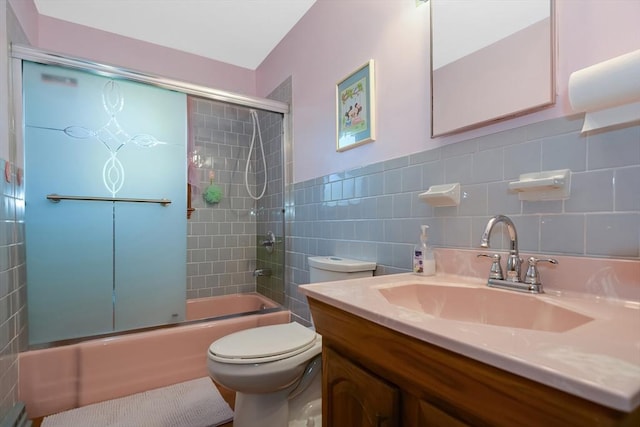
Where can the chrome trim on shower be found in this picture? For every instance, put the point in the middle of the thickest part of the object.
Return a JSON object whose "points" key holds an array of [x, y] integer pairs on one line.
{"points": [[47, 57], [19, 53]]}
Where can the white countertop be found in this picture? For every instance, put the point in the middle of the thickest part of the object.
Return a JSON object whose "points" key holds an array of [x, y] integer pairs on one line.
{"points": [[598, 361]]}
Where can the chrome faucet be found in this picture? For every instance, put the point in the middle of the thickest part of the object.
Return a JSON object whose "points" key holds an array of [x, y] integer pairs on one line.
{"points": [[262, 272], [512, 278], [514, 261]]}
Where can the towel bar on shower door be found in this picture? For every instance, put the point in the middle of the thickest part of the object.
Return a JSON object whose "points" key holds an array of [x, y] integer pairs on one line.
{"points": [[57, 198]]}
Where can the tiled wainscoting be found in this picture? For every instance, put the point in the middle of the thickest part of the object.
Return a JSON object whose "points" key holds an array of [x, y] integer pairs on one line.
{"points": [[374, 212], [13, 311]]}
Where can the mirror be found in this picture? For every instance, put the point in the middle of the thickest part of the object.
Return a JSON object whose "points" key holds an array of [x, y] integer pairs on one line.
{"points": [[490, 60]]}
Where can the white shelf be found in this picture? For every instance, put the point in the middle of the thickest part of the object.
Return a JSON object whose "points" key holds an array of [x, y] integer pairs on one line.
{"points": [[547, 185], [442, 195]]}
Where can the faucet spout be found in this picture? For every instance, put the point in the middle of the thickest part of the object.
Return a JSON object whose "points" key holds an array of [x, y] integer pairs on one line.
{"points": [[514, 261], [262, 272]]}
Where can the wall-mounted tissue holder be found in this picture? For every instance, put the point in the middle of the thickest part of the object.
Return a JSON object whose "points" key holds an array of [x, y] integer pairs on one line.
{"points": [[442, 195], [547, 185]]}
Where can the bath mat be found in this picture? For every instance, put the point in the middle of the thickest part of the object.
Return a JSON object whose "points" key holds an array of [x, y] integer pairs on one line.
{"points": [[195, 403]]}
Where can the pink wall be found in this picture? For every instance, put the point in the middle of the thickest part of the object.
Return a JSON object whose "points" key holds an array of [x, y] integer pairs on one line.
{"points": [[332, 40], [27, 14], [108, 48], [460, 86], [335, 37]]}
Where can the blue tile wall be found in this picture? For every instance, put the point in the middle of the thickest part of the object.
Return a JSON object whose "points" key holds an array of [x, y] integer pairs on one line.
{"points": [[13, 316], [223, 241], [13, 312], [374, 213], [221, 251]]}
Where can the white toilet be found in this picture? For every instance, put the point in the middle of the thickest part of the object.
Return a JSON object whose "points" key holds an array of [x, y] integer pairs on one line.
{"points": [[275, 370], [330, 268]]}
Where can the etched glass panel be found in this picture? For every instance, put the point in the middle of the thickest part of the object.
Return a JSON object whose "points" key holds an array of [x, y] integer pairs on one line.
{"points": [[92, 136]]}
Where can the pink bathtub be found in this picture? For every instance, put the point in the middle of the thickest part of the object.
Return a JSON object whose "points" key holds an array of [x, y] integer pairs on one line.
{"points": [[70, 376]]}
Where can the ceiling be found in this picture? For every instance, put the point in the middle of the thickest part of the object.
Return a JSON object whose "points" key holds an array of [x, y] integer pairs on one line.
{"points": [[238, 32]]}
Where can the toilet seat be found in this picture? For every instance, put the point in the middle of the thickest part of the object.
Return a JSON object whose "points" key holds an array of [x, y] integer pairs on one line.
{"points": [[263, 344]]}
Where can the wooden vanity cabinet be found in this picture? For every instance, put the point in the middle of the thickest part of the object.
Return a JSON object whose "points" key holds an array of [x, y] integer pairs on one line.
{"points": [[356, 398], [375, 376]]}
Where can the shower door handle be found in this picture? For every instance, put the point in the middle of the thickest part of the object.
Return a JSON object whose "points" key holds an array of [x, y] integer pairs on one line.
{"points": [[57, 198]]}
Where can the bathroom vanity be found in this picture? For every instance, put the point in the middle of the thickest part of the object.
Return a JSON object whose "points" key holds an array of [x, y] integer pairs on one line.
{"points": [[385, 364]]}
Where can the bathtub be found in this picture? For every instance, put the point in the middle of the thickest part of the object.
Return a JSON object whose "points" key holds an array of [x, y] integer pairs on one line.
{"points": [[61, 378], [228, 305]]}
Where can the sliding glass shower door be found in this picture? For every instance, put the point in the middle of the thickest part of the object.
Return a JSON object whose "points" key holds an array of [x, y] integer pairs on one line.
{"points": [[105, 174]]}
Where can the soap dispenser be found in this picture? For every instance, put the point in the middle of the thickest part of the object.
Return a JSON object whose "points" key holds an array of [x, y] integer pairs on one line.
{"points": [[424, 262]]}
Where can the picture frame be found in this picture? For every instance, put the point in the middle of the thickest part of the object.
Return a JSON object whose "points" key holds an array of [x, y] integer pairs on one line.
{"points": [[355, 108]]}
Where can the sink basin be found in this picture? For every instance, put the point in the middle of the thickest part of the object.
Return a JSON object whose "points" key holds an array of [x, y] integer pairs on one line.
{"points": [[484, 305]]}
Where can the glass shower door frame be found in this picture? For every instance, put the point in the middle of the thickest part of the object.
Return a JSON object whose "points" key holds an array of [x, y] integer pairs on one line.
{"points": [[20, 53]]}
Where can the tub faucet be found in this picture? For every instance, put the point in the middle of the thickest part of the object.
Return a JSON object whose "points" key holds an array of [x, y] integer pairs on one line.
{"points": [[512, 273], [262, 272]]}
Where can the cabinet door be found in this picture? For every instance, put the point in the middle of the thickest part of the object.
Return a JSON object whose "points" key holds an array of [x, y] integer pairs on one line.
{"points": [[355, 398], [420, 413]]}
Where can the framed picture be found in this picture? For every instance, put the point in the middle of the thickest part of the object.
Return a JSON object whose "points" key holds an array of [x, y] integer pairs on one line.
{"points": [[355, 112]]}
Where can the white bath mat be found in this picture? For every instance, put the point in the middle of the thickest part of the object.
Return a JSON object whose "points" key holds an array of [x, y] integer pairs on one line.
{"points": [[195, 403]]}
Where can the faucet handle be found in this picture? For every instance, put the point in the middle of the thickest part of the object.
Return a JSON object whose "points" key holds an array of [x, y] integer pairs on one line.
{"points": [[533, 275], [496, 270]]}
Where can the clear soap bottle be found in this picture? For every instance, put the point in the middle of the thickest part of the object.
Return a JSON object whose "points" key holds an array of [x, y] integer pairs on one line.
{"points": [[424, 262]]}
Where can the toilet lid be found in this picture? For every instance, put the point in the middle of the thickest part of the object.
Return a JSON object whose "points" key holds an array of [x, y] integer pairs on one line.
{"points": [[263, 344]]}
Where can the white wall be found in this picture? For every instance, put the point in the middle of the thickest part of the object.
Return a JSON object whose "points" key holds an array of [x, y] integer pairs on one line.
{"points": [[337, 36]]}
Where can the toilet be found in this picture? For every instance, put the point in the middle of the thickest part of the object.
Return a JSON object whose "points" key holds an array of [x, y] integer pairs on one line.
{"points": [[275, 369], [330, 268]]}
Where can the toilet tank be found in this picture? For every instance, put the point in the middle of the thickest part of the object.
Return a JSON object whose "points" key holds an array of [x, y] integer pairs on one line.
{"points": [[330, 268]]}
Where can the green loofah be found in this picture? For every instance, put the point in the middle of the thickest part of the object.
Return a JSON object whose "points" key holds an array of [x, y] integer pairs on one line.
{"points": [[213, 194]]}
